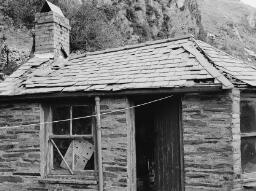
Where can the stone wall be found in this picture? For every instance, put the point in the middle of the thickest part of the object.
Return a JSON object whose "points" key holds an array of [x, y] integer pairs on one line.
{"points": [[211, 145], [209, 142], [20, 149], [115, 144], [51, 33]]}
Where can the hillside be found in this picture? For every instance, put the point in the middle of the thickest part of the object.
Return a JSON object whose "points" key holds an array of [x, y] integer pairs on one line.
{"points": [[19, 41], [103, 23], [230, 26], [226, 24]]}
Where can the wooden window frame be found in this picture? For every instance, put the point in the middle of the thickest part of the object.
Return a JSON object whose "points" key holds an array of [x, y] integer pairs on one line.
{"points": [[244, 136], [46, 146], [246, 175]]}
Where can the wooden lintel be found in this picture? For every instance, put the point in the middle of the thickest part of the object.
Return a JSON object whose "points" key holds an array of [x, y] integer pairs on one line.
{"points": [[248, 90], [27, 174], [47, 96], [67, 181], [70, 136]]}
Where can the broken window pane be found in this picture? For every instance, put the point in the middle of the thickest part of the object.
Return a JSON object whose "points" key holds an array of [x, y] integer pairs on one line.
{"points": [[248, 151], [248, 118], [78, 151], [63, 145], [61, 113], [82, 126]]}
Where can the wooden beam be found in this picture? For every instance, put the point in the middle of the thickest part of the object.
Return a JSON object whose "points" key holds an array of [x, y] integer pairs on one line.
{"points": [[43, 142], [67, 181], [99, 149], [181, 134], [62, 157], [45, 147], [70, 136], [209, 68], [253, 134], [153, 91], [132, 177]]}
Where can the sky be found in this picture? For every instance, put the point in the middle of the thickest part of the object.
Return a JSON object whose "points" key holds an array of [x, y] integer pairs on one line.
{"points": [[250, 2]]}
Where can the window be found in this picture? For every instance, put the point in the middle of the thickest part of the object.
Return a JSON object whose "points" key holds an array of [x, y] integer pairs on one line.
{"points": [[248, 135], [70, 146]]}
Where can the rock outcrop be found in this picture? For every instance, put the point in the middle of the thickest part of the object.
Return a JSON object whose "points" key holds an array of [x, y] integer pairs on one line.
{"points": [[154, 19], [137, 21]]}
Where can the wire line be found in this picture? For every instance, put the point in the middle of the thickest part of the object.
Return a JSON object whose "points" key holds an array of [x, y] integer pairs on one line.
{"points": [[88, 116]]}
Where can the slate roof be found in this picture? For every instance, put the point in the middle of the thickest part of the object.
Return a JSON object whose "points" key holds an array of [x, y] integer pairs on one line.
{"points": [[236, 68], [171, 63]]}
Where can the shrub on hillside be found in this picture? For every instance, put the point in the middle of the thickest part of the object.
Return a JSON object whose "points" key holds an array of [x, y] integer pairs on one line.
{"points": [[90, 25], [91, 30], [22, 12]]}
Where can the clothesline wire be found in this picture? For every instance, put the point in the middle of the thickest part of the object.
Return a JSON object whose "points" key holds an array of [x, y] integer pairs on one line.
{"points": [[88, 116]]}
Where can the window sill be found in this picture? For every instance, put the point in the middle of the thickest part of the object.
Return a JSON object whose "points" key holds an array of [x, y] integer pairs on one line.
{"points": [[248, 176], [250, 185], [67, 181], [249, 180]]}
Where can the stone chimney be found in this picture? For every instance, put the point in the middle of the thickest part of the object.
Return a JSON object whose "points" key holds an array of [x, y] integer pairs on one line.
{"points": [[51, 31]]}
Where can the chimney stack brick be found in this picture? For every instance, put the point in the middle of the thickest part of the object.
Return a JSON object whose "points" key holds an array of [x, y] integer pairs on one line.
{"points": [[52, 33]]}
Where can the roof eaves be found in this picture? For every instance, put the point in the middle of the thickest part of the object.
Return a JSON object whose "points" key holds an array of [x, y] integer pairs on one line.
{"points": [[209, 68]]}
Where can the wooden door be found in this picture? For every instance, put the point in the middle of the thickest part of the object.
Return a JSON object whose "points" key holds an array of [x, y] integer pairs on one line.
{"points": [[167, 146]]}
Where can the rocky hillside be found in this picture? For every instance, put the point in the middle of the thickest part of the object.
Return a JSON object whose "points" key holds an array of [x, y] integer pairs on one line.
{"points": [[144, 20], [129, 22], [17, 40], [231, 26], [226, 24]]}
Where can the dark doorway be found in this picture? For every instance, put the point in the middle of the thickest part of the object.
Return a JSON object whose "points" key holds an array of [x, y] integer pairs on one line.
{"points": [[158, 154]]}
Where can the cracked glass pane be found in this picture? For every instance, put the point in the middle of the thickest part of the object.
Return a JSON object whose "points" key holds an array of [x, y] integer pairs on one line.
{"points": [[63, 145]]}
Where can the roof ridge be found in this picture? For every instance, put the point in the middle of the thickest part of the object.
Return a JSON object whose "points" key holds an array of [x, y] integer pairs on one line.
{"points": [[127, 47], [208, 67]]}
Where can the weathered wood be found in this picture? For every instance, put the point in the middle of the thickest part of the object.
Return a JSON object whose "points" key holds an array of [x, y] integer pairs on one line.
{"points": [[252, 134], [43, 141], [55, 95], [182, 178], [70, 136], [131, 165], [26, 174], [45, 147], [67, 181], [99, 149], [62, 157], [79, 174], [167, 148], [207, 66]]}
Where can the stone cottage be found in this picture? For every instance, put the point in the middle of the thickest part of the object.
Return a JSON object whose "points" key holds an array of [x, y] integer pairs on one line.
{"points": [[168, 115]]}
